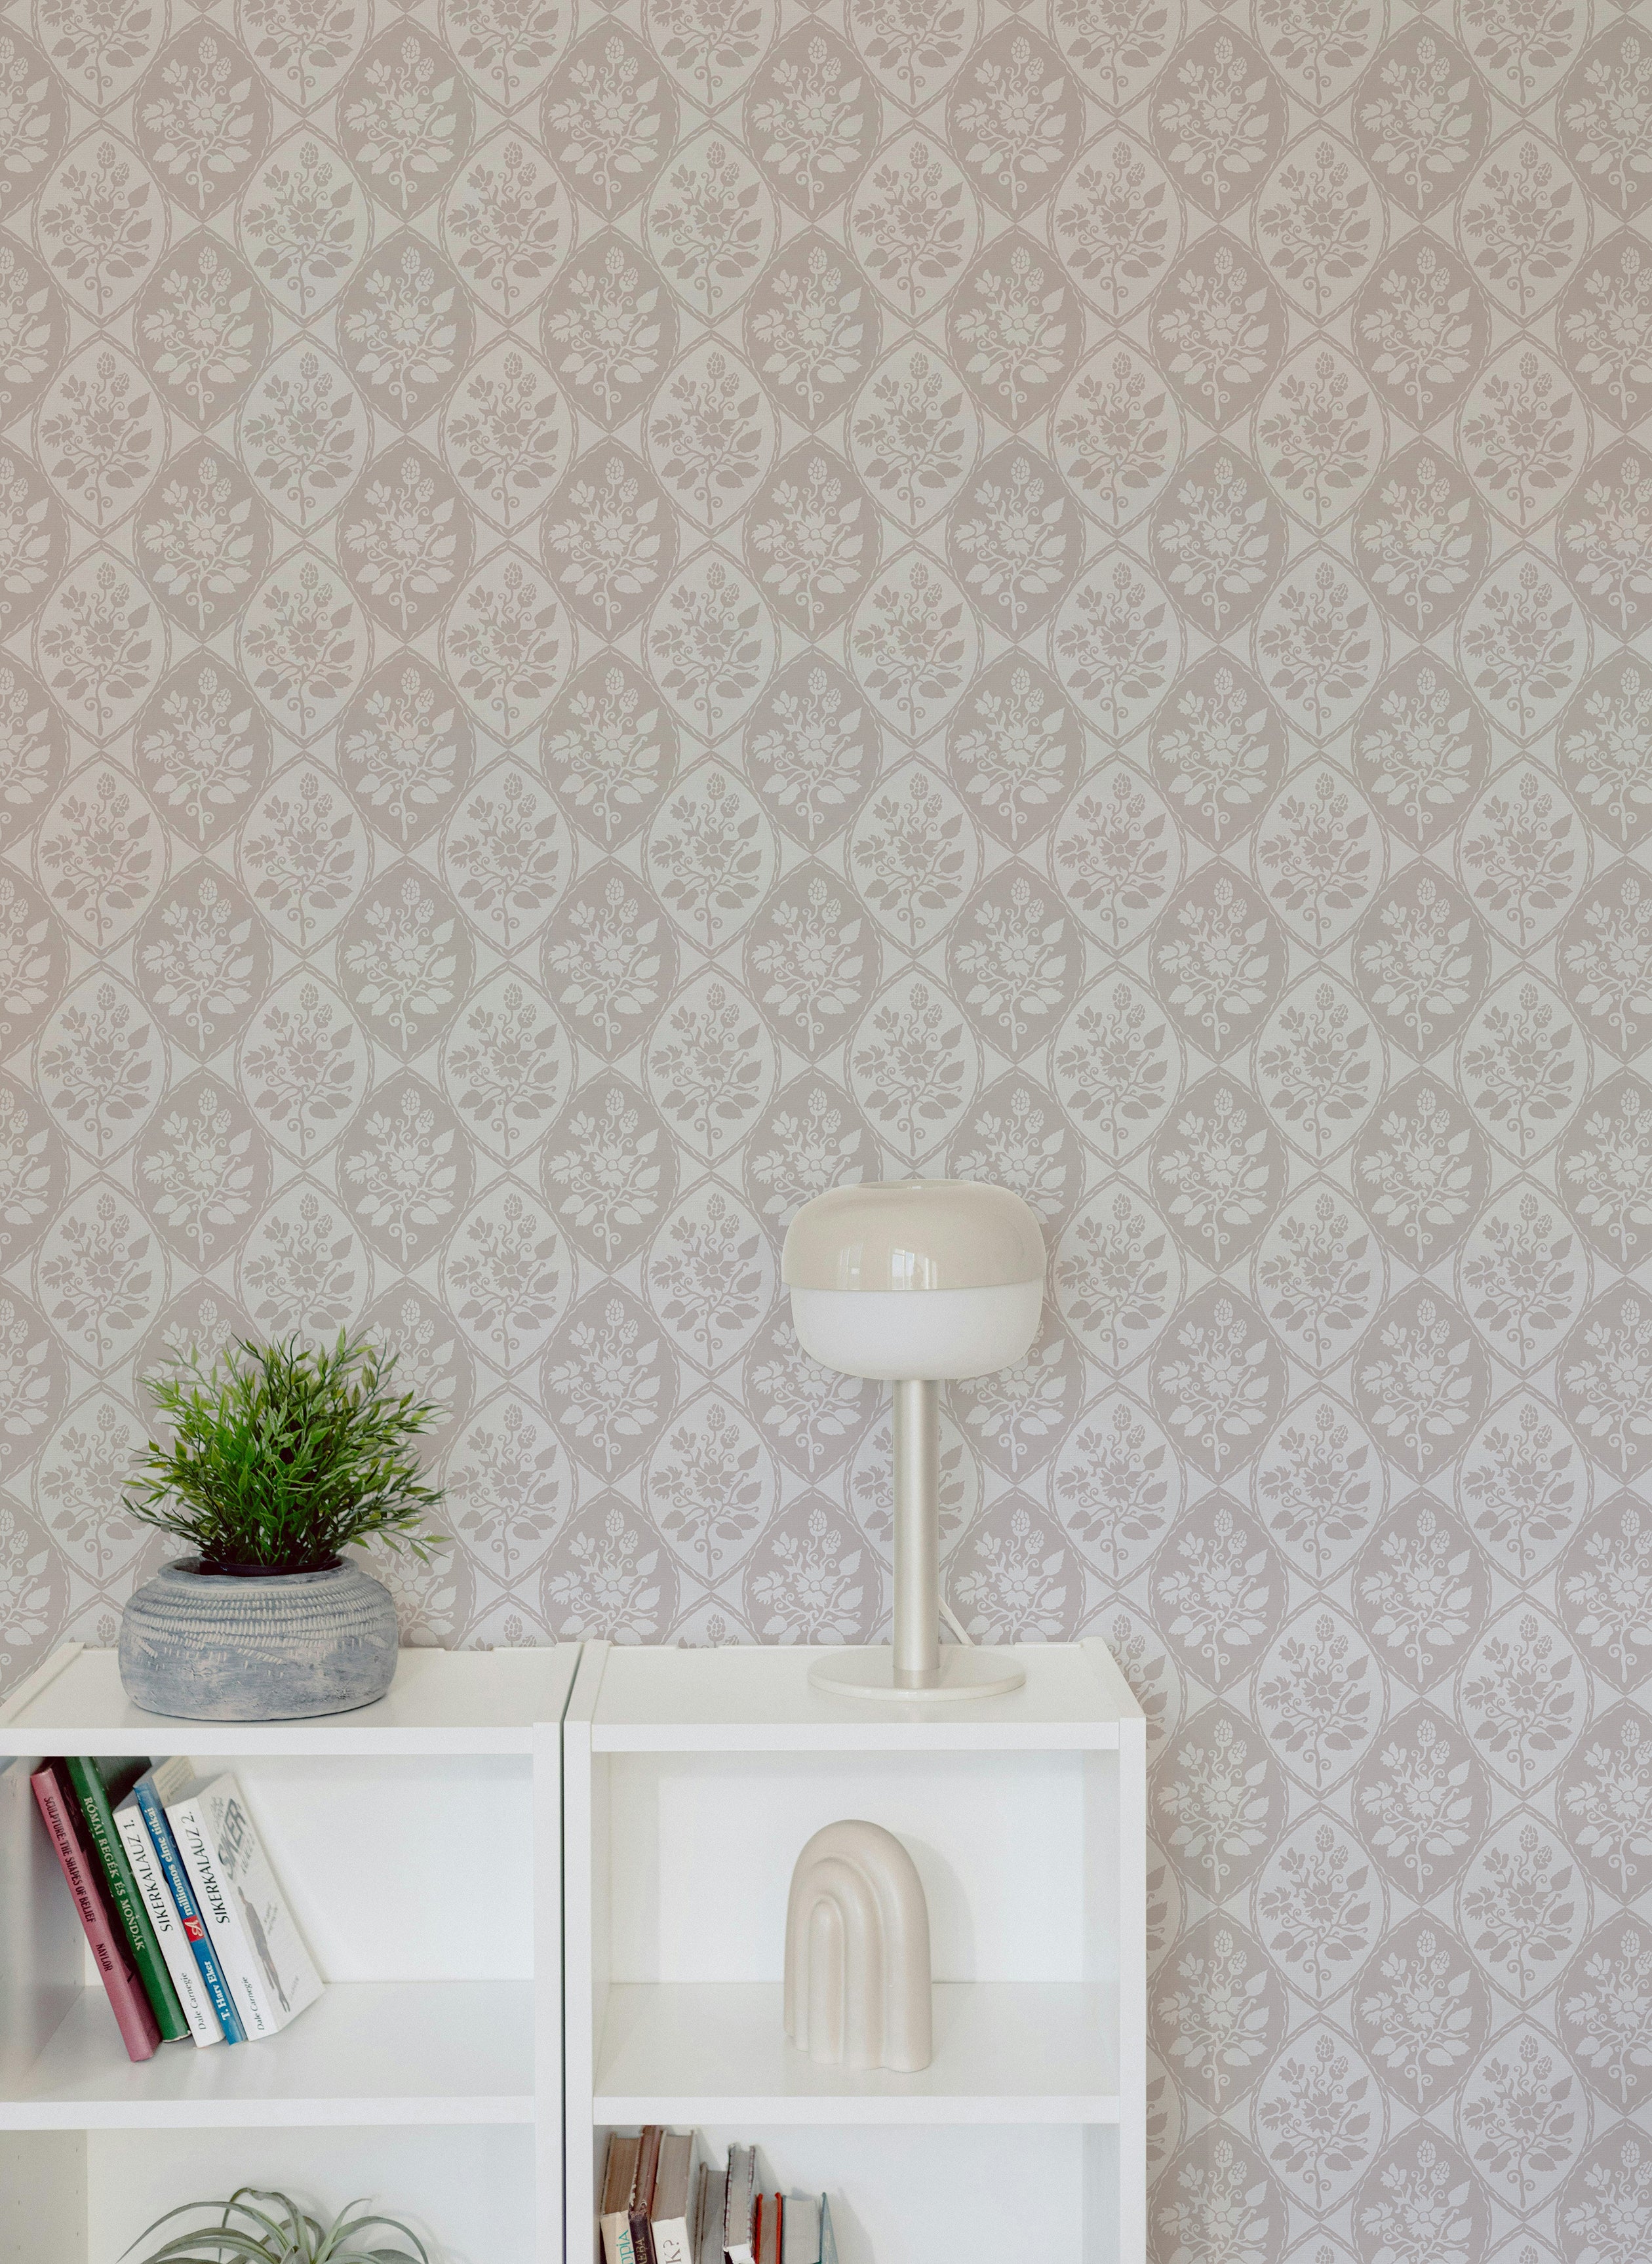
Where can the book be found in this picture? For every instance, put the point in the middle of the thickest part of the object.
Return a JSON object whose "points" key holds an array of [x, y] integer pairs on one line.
{"points": [[648, 2168], [97, 1785], [285, 1971], [60, 1813], [188, 1909], [801, 2245], [768, 2221], [619, 2183], [642, 2192], [173, 1781], [670, 2214], [271, 1974], [712, 2194], [828, 2237], [204, 2024], [738, 2203]]}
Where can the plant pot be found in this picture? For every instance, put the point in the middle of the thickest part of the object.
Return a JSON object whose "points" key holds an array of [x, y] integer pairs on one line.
{"points": [[257, 1646]]}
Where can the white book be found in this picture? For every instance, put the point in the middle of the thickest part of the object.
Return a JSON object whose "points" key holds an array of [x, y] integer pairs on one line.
{"points": [[802, 2229], [200, 1858], [713, 2192], [284, 1972], [671, 2214], [204, 2024], [270, 1973], [738, 2201]]}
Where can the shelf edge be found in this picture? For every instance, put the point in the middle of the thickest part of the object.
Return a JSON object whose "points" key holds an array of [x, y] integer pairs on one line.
{"points": [[1083, 2108], [262, 2114], [853, 1738]]}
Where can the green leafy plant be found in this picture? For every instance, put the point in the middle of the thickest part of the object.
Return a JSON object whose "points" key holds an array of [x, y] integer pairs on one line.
{"points": [[282, 2234], [284, 1454]]}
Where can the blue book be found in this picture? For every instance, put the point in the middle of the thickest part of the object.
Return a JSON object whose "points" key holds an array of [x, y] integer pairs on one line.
{"points": [[194, 1927]]}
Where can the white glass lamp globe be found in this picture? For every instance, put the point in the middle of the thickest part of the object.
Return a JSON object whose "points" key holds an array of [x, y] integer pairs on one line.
{"points": [[907, 1278], [916, 1282]]}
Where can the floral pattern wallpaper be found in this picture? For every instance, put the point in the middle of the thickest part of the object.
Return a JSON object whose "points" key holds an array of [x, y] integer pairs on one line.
{"points": [[610, 616]]}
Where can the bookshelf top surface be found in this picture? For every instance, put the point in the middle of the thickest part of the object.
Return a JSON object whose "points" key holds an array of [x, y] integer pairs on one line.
{"points": [[754, 1697], [461, 1701]]}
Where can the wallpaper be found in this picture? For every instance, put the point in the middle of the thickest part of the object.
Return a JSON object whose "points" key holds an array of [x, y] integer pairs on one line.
{"points": [[613, 616]]}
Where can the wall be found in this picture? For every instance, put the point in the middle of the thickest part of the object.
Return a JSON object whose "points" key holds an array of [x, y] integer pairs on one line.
{"points": [[610, 619]]}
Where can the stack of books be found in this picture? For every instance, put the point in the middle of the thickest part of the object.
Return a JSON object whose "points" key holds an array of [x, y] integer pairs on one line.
{"points": [[188, 1928], [663, 2202]]}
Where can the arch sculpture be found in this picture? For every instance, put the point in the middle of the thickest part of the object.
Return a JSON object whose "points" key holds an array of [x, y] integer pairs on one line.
{"points": [[858, 1952]]}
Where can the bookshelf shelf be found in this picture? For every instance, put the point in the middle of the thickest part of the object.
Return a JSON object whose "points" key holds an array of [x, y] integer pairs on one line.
{"points": [[691, 1781], [715, 2052], [366, 2052]]}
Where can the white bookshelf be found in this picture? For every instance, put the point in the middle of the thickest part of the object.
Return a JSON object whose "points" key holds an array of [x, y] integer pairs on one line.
{"points": [[547, 1890], [691, 1780], [419, 1842]]}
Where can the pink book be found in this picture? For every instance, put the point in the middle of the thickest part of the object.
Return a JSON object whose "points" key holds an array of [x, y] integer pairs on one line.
{"points": [[134, 2016]]}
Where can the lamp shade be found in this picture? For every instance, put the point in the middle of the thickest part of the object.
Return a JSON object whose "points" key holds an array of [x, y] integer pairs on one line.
{"points": [[910, 1279]]}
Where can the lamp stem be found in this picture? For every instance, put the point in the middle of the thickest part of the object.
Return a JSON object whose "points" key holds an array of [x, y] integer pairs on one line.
{"points": [[917, 1582]]}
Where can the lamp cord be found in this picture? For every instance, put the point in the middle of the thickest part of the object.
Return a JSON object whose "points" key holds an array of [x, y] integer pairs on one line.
{"points": [[955, 1624]]}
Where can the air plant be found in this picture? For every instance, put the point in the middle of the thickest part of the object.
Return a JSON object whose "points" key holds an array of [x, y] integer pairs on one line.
{"points": [[283, 2234]]}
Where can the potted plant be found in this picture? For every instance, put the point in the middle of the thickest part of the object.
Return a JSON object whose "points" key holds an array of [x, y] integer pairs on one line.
{"points": [[281, 1457], [268, 2228]]}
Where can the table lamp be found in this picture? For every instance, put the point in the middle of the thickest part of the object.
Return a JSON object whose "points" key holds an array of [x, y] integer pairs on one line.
{"points": [[913, 1282]]}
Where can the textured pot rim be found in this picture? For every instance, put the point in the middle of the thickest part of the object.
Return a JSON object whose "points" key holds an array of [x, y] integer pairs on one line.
{"points": [[192, 1570]]}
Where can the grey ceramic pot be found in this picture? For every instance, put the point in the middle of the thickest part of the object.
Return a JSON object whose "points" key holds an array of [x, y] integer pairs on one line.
{"points": [[259, 1646]]}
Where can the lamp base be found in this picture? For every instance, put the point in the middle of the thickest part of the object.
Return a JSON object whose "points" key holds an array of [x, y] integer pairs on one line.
{"points": [[965, 1673]]}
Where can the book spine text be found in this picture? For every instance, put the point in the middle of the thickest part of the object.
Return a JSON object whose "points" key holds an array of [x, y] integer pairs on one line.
{"points": [[225, 1931], [123, 1894], [204, 2024], [189, 1912], [140, 2031]]}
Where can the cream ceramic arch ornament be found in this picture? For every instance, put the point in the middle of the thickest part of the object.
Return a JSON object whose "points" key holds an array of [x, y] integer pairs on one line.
{"points": [[858, 1952]]}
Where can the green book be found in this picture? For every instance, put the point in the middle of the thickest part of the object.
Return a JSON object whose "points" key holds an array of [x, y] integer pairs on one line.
{"points": [[98, 1785]]}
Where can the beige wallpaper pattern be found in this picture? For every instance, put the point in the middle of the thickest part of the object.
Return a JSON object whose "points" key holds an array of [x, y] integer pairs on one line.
{"points": [[610, 616]]}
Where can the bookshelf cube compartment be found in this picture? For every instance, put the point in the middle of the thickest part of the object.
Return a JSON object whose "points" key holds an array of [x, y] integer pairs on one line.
{"points": [[1013, 2194], [418, 1842], [411, 1879], [693, 1780], [80, 2197]]}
